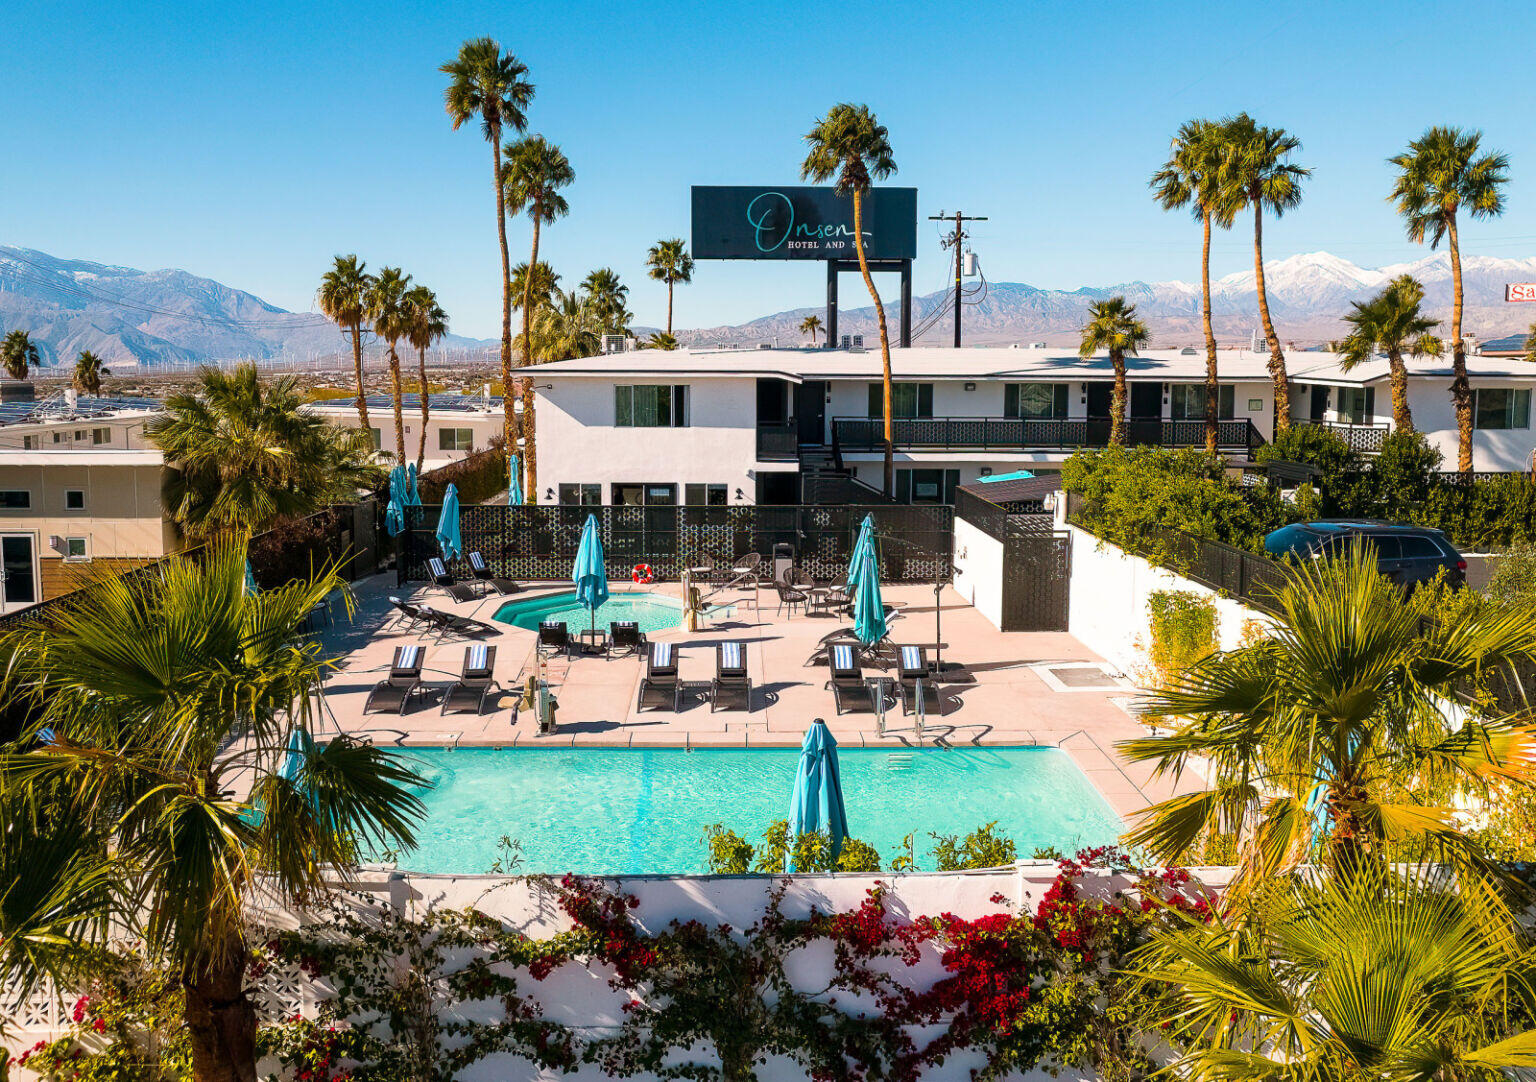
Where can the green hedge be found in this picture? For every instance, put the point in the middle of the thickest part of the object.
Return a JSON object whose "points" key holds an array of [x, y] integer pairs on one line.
{"points": [[478, 476]]}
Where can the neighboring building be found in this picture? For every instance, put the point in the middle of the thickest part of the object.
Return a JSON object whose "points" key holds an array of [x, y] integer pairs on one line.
{"points": [[1511, 345], [457, 425]]}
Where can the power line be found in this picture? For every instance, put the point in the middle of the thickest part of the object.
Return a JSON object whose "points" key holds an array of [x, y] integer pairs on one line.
{"points": [[956, 240]]}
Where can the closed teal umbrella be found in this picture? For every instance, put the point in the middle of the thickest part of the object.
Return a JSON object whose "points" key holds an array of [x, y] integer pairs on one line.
{"points": [[816, 804], [515, 484], [589, 573], [412, 493], [868, 608], [865, 542], [448, 539], [250, 580], [394, 513]]}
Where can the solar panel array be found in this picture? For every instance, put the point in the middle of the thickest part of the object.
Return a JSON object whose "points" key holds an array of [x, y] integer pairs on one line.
{"points": [[86, 408], [475, 403]]}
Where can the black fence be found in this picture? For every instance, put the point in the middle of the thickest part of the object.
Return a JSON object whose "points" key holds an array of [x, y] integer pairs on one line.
{"points": [[1017, 433], [1037, 562], [539, 542]]}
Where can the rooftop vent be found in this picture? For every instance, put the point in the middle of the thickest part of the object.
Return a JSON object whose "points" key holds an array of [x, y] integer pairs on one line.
{"points": [[765, 345], [1188, 351], [615, 343]]}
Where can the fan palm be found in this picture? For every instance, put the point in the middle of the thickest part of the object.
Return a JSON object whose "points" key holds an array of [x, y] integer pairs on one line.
{"points": [[534, 173], [390, 314], [661, 340], [244, 455], [88, 372], [609, 298], [1530, 344], [851, 145], [142, 683], [429, 323], [569, 326], [1260, 177], [811, 325], [1329, 733], [538, 287], [670, 262], [1383, 977], [343, 297], [488, 84], [1442, 173], [18, 354], [1392, 322], [1192, 177], [1113, 327]]}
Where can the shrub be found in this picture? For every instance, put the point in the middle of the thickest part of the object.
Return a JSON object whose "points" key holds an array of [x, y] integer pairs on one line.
{"points": [[478, 476], [1315, 446], [981, 848], [1182, 625], [729, 852]]}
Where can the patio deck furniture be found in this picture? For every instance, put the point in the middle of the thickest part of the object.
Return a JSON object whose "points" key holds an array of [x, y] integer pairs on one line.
{"points": [[660, 681], [626, 637], [408, 614], [914, 672], [731, 681], [468, 693], [455, 589], [789, 597], [402, 684], [482, 573], [554, 637], [847, 681]]}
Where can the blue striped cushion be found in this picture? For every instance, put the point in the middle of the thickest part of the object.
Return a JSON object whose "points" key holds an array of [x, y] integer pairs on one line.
{"points": [[731, 656], [435, 566], [552, 625], [408, 657], [842, 657], [912, 658], [477, 656], [477, 561], [661, 655]]}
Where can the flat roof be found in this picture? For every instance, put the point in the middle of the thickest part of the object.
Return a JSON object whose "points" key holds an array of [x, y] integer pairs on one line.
{"points": [[448, 403], [96, 457], [54, 410]]}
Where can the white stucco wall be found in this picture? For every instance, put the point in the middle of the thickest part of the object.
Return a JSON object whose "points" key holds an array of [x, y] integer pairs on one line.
{"points": [[1434, 414], [978, 561]]}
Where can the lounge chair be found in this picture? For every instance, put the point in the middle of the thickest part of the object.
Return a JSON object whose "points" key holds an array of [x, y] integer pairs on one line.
{"points": [[441, 578], [452, 625], [731, 681], [660, 679], [911, 670], [554, 637], [409, 614], [847, 681], [482, 573], [469, 692], [403, 683], [626, 637]]}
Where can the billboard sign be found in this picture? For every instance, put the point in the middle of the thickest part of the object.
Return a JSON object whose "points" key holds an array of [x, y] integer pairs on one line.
{"points": [[801, 223], [1520, 291]]}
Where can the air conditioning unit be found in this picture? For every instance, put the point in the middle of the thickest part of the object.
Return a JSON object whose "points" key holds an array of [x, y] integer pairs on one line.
{"points": [[615, 343], [858, 341], [846, 341], [765, 345], [1188, 351]]}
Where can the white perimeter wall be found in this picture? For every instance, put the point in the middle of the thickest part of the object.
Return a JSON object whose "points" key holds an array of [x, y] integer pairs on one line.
{"points": [[978, 578], [1435, 415]]}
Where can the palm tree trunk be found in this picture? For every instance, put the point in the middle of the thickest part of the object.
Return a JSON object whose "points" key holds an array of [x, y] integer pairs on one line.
{"points": [[220, 1021], [1461, 390], [530, 452], [394, 387], [357, 369], [1117, 399], [669, 307], [1277, 372], [1402, 416], [1212, 386], [885, 341], [507, 397], [421, 446]]}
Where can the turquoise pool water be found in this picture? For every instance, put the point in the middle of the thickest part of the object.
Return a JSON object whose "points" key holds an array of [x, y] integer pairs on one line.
{"points": [[653, 613], [633, 810]]}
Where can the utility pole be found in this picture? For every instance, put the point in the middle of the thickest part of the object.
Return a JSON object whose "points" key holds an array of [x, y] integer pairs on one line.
{"points": [[955, 240]]}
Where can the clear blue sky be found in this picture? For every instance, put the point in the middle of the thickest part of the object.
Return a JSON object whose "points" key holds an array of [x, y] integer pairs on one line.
{"points": [[250, 143]]}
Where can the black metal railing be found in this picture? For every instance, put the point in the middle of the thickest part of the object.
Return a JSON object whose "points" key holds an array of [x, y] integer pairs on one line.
{"points": [[1021, 433], [778, 441], [1364, 438]]}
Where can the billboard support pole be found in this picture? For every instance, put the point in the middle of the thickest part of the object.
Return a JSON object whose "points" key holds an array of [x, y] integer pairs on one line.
{"points": [[831, 304], [906, 303]]}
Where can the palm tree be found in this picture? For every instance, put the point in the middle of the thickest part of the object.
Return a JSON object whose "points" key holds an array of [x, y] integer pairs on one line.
{"points": [[18, 354], [1192, 178], [1260, 177], [390, 315], [1442, 173], [609, 298], [1530, 344], [486, 83], [661, 340], [811, 325], [428, 324], [245, 455], [1311, 732], [343, 297], [535, 172], [567, 327], [670, 263], [1112, 326], [537, 288], [850, 144], [1385, 977], [1392, 322], [142, 684], [88, 372]]}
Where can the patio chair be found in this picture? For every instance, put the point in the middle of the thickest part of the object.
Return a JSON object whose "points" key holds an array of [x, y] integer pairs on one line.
{"points": [[789, 597], [912, 670], [847, 681], [482, 573], [452, 625], [441, 578], [554, 637], [660, 680], [731, 681], [402, 684], [408, 613], [626, 637], [468, 693]]}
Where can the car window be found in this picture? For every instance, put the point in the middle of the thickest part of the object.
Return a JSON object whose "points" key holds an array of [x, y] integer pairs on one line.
{"points": [[1420, 548], [1387, 547]]}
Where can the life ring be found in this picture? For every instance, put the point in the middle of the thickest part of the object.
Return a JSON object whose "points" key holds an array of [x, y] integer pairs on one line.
{"points": [[643, 574]]}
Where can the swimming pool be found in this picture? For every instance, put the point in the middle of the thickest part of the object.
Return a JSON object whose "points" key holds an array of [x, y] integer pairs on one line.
{"points": [[635, 810], [652, 612]]}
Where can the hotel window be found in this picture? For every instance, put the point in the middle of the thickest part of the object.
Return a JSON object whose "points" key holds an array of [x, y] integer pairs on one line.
{"points": [[705, 495], [455, 439], [74, 548], [926, 486], [378, 438], [1501, 407], [58, 437], [29, 443], [15, 499], [907, 400], [1189, 402], [581, 495], [100, 436], [1035, 401], [80, 435], [74, 499], [651, 405], [1357, 405]]}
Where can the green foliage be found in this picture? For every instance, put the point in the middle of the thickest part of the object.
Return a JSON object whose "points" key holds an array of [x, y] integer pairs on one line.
{"points": [[1183, 628], [1514, 575], [981, 848], [729, 852], [477, 476], [857, 856], [1312, 445]]}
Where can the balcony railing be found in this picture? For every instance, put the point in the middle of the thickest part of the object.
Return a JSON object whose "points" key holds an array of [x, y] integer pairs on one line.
{"points": [[1364, 438], [778, 441], [1019, 433]]}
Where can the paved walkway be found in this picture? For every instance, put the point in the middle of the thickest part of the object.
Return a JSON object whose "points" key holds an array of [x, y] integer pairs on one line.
{"points": [[993, 691]]}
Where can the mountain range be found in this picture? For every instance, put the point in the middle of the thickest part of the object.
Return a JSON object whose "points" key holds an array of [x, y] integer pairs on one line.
{"points": [[130, 316]]}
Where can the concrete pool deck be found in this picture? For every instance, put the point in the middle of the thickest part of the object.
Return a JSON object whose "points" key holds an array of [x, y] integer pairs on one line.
{"points": [[996, 694]]}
